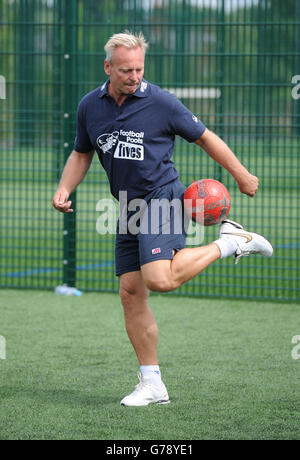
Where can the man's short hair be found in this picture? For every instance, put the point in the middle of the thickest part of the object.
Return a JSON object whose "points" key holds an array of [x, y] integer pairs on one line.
{"points": [[127, 39]]}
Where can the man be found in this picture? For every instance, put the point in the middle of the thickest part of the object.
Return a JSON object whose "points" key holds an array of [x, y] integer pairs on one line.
{"points": [[131, 124]]}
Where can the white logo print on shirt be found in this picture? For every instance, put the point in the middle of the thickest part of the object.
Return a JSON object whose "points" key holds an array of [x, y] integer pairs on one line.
{"points": [[106, 142], [131, 149]]}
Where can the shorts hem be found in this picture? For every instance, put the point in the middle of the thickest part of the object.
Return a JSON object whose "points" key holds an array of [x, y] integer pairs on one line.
{"points": [[154, 259], [122, 271]]}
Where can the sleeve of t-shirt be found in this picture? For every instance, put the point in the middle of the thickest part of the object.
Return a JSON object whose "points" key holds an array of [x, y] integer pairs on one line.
{"points": [[184, 123], [82, 141]]}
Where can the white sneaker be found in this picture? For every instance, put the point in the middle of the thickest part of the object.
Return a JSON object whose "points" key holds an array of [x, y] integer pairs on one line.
{"points": [[248, 243], [146, 393]]}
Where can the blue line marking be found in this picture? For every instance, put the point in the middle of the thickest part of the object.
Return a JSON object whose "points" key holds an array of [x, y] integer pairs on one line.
{"points": [[38, 271], [288, 246]]}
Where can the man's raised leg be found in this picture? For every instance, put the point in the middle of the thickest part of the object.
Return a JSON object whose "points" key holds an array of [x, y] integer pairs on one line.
{"points": [[167, 275]]}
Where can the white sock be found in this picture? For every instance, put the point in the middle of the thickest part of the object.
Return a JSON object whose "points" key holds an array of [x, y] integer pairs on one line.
{"points": [[227, 246], [153, 373]]}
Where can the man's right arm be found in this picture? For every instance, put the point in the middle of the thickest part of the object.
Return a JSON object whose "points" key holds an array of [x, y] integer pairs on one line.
{"points": [[74, 172]]}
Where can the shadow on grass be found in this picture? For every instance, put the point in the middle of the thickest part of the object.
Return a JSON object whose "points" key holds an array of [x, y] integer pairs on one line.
{"points": [[59, 396]]}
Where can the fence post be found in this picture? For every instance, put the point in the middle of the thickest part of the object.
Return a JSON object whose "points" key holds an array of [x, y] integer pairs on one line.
{"points": [[69, 232], [220, 81]]}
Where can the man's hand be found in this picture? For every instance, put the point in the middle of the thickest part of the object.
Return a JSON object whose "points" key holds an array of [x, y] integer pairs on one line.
{"points": [[60, 201], [74, 172], [248, 184]]}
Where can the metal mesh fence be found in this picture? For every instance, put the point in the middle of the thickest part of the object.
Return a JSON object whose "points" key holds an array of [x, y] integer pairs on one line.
{"points": [[233, 63]]}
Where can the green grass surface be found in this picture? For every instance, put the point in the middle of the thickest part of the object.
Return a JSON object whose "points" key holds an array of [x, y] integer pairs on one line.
{"points": [[227, 366]]}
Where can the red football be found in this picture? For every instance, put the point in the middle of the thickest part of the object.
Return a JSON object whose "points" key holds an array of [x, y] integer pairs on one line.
{"points": [[207, 201]]}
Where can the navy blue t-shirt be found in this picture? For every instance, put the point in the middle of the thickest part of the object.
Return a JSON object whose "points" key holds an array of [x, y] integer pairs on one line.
{"points": [[135, 141]]}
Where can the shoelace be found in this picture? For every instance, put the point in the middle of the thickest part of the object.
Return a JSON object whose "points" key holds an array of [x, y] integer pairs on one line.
{"points": [[141, 385], [245, 253]]}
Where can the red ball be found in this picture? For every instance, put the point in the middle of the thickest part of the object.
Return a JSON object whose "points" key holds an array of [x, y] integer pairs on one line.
{"points": [[207, 201]]}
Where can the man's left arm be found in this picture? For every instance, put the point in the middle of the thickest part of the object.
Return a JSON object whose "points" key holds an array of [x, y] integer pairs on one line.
{"points": [[221, 153]]}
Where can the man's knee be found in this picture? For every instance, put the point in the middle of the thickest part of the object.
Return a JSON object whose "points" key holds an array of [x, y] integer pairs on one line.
{"points": [[159, 281], [161, 284], [132, 289], [127, 294]]}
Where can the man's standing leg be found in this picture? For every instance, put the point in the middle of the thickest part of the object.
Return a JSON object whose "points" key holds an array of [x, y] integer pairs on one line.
{"points": [[139, 320], [142, 331]]}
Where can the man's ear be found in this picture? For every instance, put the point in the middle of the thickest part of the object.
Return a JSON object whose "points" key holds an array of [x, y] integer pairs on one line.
{"points": [[107, 67]]}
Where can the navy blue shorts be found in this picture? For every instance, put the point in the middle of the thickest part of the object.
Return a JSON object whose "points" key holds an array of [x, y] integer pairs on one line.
{"points": [[151, 228]]}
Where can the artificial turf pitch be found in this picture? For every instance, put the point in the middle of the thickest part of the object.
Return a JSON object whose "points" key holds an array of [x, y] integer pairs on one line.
{"points": [[227, 365]]}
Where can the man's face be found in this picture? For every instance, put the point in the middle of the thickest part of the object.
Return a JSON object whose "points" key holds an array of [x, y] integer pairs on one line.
{"points": [[126, 70]]}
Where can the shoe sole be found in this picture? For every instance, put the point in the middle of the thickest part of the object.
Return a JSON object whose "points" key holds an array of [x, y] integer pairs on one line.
{"points": [[232, 222], [160, 402], [163, 401]]}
